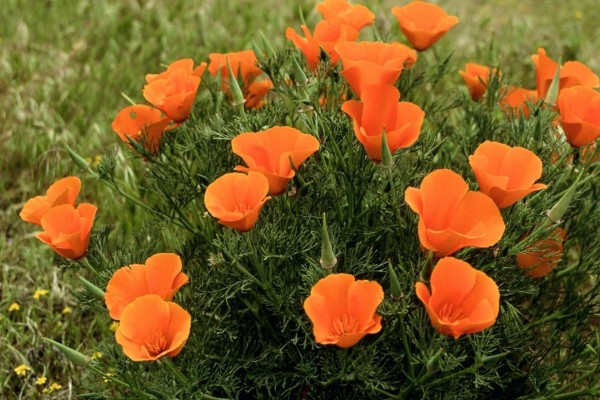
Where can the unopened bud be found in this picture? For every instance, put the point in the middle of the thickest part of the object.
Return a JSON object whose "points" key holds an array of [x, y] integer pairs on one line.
{"points": [[433, 364], [560, 208], [552, 93], [394, 282], [269, 49], [72, 355], [387, 161], [79, 161], [236, 92], [328, 260]]}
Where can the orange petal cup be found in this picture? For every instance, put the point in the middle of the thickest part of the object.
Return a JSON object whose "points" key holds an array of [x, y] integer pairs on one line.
{"points": [[152, 328], [423, 23], [381, 111], [174, 90], [63, 191], [506, 174], [354, 15], [236, 199], [67, 229], [373, 63], [541, 257], [515, 101], [342, 309], [572, 73], [244, 68], [580, 115], [326, 35], [451, 216], [462, 300], [272, 153], [141, 123], [161, 275], [476, 78]]}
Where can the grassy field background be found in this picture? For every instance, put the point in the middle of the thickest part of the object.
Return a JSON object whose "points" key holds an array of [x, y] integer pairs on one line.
{"points": [[63, 67]]}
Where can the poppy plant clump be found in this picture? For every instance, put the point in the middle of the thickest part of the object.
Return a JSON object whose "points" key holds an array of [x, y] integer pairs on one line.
{"points": [[335, 218]]}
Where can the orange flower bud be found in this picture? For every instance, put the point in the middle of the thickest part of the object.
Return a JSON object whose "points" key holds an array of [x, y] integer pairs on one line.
{"points": [[141, 122], [476, 77], [579, 108], [462, 300], [541, 257], [506, 174], [67, 229], [243, 65], [161, 275], [380, 110], [373, 63], [516, 99], [572, 73], [152, 328], [270, 151], [423, 23], [452, 217], [236, 199], [342, 309], [326, 35], [174, 90], [355, 15], [63, 191]]}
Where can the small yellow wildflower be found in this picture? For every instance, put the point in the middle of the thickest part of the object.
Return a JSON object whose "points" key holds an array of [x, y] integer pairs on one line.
{"points": [[67, 310], [95, 356], [41, 381], [1, 317], [114, 326], [40, 293], [14, 307], [578, 14], [55, 386], [107, 376], [22, 369]]}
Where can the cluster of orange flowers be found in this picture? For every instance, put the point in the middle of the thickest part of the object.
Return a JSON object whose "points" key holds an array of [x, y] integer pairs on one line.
{"points": [[66, 229], [462, 299], [173, 92], [577, 102], [139, 296]]}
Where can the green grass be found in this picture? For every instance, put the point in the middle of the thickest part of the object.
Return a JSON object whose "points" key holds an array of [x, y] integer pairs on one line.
{"points": [[63, 67]]}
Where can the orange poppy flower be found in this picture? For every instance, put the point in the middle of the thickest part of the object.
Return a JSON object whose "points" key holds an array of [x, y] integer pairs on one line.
{"points": [[67, 229], [516, 99], [326, 35], [462, 300], [476, 77], [244, 68], [236, 199], [63, 191], [270, 151], [152, 328], [540, 258], [342, 309], [452, 217], [355, 15], [580, 115], [572, 73], [506, 174], [380, 110], [174, 90], [161, 275], [373, 63], [141, 122], [423, 23]]}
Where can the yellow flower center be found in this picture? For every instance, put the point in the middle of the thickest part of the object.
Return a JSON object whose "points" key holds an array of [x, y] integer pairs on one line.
{"points": [[156, 343], [345, 325]]}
